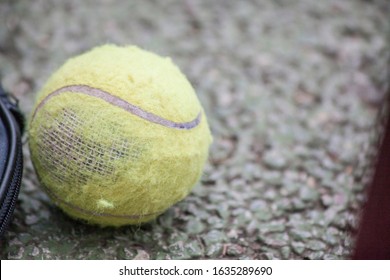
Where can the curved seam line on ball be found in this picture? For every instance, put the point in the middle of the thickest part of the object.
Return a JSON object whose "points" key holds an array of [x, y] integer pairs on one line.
{"points": [[116, 101], [96, 214]]}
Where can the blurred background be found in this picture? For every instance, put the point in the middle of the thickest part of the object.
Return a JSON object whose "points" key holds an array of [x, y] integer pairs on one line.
{"points": [[293, 91]]}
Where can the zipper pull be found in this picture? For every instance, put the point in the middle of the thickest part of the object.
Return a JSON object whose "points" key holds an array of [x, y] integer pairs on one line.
{"points": [[12, 104]]}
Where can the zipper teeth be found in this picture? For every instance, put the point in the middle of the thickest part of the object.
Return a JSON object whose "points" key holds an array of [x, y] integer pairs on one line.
{"points": [[14, 191]]}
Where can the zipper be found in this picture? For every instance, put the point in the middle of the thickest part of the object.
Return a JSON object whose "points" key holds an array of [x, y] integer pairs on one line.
{"points": [[11, 178], [11, 197]]}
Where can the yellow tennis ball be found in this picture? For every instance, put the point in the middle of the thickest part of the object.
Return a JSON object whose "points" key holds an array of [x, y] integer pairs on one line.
{"points": [[118, 135]]}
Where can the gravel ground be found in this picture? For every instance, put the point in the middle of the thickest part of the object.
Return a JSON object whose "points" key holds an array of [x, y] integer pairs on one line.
{"points": [[292, 90]]}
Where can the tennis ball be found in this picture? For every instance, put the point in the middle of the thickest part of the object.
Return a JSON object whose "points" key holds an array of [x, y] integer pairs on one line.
{"points": [[117, 136]]}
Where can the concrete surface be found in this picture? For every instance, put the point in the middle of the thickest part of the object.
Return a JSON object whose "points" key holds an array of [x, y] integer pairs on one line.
{"points": [[292, 89]]}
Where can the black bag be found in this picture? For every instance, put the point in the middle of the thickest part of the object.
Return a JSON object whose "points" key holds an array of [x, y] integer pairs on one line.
{"points": [[11, 158]]}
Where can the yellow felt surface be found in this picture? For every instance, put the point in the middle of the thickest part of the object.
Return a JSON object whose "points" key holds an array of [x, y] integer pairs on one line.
{"points": [[142, 78], [105, 165]]}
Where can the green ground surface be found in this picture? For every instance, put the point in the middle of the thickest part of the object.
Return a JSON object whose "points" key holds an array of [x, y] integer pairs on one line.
{"points": [[292, 90]]}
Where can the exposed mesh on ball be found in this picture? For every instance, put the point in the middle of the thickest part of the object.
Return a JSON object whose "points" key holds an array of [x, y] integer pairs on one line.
{"points": [[73, 159], [117, 136]]}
